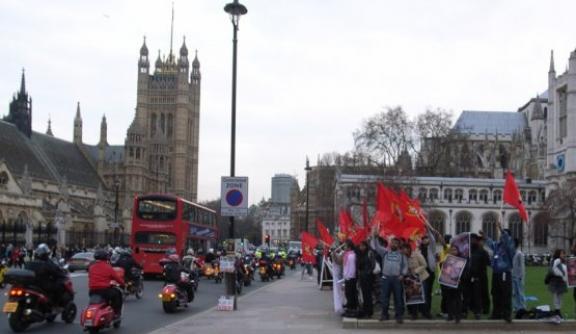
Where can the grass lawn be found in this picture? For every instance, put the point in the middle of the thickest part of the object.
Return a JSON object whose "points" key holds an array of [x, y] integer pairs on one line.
{"points": [[534, 286]]}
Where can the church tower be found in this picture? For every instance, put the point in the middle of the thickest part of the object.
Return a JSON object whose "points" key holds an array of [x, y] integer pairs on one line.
{"points": [[161, 152], [20, 113]]}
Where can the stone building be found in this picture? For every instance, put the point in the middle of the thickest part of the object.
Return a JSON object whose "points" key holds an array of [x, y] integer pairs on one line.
{"points": [[277, 219], [65, 191]]}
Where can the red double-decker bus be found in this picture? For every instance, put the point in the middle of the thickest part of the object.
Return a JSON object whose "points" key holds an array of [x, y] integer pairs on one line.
{"points": [[161, 222]]}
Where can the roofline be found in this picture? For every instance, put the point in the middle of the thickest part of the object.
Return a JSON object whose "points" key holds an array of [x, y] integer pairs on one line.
{"points": [[541, 100]]}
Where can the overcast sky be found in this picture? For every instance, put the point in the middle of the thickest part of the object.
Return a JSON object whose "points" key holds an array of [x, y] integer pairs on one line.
{"points": [[309, 70]]}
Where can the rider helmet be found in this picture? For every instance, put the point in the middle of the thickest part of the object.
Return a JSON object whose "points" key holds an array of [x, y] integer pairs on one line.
{"points": [[174, 257], [170, 251], [101, 254], [190, 252], [43, 251]]}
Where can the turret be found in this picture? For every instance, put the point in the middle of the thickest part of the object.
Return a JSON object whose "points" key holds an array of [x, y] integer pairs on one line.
{"points": [[143, 62], [183, 60], [49, 130], [195, 77], [103, 131], [78, 126]]}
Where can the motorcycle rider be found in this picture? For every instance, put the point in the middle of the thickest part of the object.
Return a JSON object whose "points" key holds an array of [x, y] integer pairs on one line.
{"points": [[210, 257], [189, 261], [100, 273], [173, 270], [125, 260], [49, 276]]}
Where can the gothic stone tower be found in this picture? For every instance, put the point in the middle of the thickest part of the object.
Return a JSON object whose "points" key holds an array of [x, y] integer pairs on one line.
{"points": [[20, 113], [162, 142]]}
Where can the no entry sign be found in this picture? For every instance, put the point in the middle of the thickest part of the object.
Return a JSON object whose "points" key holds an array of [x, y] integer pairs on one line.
{"points": [[234, 197]]}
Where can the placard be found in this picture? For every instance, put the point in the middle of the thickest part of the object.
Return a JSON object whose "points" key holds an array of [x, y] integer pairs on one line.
{"points": [[227, 264], [225, 303], [451, 272], [413, 290]]}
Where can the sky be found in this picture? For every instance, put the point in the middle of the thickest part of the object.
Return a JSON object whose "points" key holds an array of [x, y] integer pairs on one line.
{"points": [[309, 71]]}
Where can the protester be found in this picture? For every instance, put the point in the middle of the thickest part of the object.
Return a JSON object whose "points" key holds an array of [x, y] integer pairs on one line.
{"points": [[443, 254], [349, 274], [428, 251], [365, 268], [502, 275], [558, 280], [472, 283], [416, 267], [483, 276], [453, 296], [394, 268], [518, 274]]}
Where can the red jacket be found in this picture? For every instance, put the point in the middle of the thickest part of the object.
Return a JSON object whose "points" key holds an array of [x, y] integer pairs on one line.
{"points": [[100, 273]]}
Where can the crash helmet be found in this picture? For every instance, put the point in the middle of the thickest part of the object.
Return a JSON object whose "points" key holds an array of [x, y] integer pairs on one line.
{"points": [[101, 254], [42, 251], [190, 252], [174, 257], [170, 251]]}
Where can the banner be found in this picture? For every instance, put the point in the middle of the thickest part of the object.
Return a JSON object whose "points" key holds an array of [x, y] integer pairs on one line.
{"points": [[452, 271]]}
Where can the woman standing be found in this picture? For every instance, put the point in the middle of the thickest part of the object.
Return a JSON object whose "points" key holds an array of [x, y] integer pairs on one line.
{"points": [[558, 280], [365, 263], [416, 268]]}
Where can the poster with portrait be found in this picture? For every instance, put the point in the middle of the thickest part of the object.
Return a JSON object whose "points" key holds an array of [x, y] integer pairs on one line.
{"points": [[413, 291], [462, 243], [452, 271], [571, 265]]}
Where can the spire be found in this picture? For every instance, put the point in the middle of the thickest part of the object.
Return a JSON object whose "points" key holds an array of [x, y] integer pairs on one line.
{"points": [[551, 70], [103, 131], [158, 61], [196, 62], [184, 49], [144, 48], [78, 111], [23, 83], [172, 30], [49, 130]]}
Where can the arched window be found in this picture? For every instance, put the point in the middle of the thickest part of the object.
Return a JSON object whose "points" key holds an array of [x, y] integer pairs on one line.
{"points": [[515, 226], [540, 230], [489, 227], [422, 194], [438, 221], [459, 195], [433, 194], [448, 195], [484, 195], [497, 196], [472, 195], [463, 222]]}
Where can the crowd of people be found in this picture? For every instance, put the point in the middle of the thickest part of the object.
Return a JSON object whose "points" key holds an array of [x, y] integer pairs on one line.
{"points": [[377, 269]]}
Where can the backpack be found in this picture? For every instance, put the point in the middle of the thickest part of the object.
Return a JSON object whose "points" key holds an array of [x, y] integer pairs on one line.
{"points": [[172, 272]]}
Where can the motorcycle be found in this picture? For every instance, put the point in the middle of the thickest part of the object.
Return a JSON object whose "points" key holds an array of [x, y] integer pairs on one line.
{"points": [[291, 263], [28, 304], [174, 297], [278, 268], [99, 314], [135, 286], [264, 271], [248, 274], [212, 271]]}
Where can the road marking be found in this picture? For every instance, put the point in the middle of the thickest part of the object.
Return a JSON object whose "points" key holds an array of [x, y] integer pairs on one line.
{"points": [[73, 275]]}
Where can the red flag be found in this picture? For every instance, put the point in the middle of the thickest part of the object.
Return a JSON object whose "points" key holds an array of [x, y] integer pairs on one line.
{"points": [[346, 223], [412, 214], [512, 196], [324, 233], [360, 235], [388, 204], [309, 243]]}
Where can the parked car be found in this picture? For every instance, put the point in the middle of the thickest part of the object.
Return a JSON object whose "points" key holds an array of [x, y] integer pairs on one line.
{"points": [[80, 261]]}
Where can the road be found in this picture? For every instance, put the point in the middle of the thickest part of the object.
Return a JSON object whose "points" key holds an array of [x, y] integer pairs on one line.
{"points": [[140, 316]]}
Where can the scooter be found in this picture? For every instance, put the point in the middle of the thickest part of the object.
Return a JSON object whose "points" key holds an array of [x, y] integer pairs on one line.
{"points": [[28, 304], [136, 286], [99, 314], [174, 297]]}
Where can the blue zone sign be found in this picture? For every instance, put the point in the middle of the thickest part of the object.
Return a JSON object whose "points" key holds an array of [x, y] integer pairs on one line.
{"points": [[234, 197]]}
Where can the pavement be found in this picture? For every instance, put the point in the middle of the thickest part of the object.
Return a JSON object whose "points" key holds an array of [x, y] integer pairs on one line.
{"points": [[295, 306], [140, 316]]}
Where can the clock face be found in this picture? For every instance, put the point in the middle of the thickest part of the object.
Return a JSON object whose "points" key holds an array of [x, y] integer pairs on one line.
{"points": [[560, 162]]}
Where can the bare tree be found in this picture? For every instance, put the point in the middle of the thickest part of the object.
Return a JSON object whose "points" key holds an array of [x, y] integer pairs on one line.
{"points": [[385, 136], [561, 204]]}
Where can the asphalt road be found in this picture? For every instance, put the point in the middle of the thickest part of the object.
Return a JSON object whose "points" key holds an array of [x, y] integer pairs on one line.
{"points": [[140, 316]]}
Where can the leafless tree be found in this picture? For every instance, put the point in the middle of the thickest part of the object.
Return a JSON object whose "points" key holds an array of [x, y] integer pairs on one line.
{"points": [[561, 204], [386, 135]]}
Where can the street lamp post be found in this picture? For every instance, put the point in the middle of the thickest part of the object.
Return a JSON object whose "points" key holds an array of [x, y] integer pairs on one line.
{"points": [[235, 10], [307, 169]]}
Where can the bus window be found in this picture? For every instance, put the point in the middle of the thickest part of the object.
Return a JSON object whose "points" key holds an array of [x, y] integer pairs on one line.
{"points": [[156, 238], [156, 209]]}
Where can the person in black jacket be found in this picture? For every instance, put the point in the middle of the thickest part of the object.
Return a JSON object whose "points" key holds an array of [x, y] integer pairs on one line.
{"points": [[126, 261], [365, 268], [472, 283], [49, 277]]}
